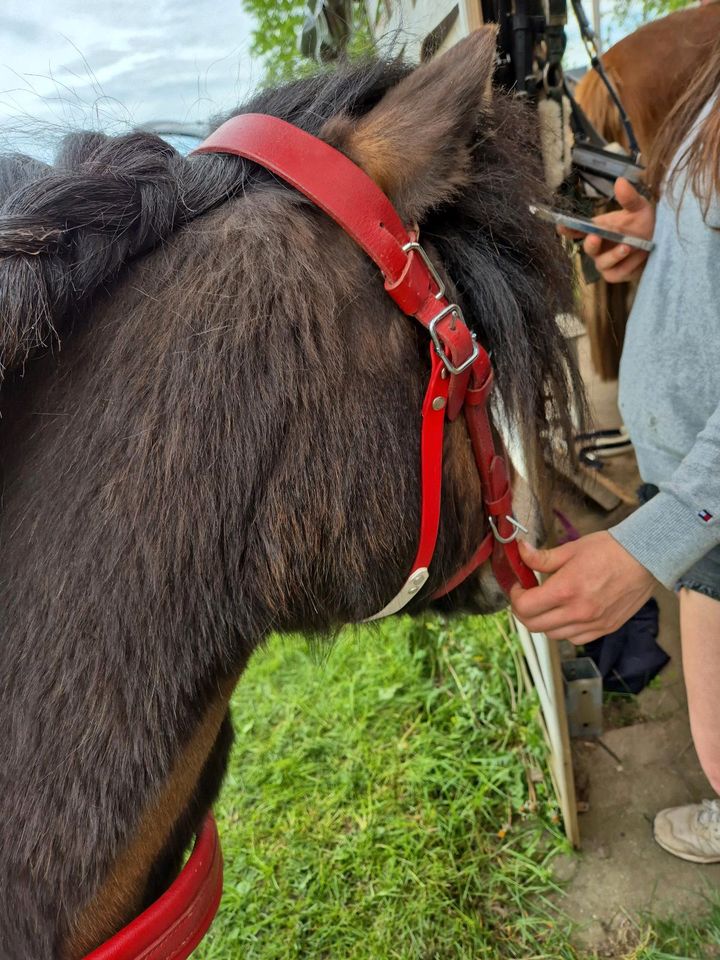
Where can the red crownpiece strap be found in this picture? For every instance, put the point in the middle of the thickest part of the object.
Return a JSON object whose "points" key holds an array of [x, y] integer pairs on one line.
{"points": [[350, 197]]}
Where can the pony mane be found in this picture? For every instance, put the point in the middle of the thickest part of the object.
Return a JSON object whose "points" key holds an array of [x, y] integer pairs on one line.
{"points": [[514, 281]]}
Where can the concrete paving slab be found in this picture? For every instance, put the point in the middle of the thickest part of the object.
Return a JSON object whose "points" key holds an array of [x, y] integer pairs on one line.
{"points": [[621, 872]]}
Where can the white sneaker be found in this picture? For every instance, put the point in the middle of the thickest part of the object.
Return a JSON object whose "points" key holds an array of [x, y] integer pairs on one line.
{"points": [[691, 832]]}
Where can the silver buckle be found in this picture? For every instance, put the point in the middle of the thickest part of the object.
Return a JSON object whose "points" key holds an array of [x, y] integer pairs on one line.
{"points": [[413, 245], [516, 524], [449, 365]]}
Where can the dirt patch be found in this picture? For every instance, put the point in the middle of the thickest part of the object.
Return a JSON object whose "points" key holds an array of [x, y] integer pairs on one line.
{"points": [[645, 762]]}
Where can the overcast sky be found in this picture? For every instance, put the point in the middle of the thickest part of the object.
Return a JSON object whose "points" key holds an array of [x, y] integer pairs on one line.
{"points": [[108, 62], [113, 63]]}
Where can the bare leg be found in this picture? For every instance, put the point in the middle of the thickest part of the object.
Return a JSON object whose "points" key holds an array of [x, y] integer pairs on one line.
{"points": [[700, 632], [692, 832]]}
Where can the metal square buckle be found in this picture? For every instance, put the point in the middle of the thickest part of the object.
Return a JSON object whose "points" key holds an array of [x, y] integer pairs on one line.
{"points": [[449, 365], [413, 245]]}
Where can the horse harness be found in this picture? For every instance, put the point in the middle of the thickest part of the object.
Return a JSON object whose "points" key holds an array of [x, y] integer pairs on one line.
{"points": [[461, 378], [461, 375]]}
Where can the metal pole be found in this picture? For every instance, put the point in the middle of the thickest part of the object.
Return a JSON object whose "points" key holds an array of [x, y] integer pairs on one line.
{"points": [[596, 24]]}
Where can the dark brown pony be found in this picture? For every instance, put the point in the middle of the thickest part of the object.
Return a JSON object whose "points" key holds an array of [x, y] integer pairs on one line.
{"points": [[652, 69], [210, 431]]}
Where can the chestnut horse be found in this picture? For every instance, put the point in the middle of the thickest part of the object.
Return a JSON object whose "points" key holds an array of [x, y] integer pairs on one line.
{"points": [[649, 68], [226, 445]]}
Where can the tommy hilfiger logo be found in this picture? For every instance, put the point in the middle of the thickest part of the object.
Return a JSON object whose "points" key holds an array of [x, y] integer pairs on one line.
{"points": [[705, 515]]}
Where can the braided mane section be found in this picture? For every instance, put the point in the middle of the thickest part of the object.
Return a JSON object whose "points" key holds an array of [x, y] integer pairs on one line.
{"points": [[67, 230]]}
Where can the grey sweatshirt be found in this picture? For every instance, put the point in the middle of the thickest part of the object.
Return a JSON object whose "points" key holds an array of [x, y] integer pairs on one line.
{"points": [[670, 389]]}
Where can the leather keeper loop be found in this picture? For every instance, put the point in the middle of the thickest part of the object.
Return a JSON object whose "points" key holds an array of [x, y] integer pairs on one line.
{"points": [[412, 289], [498, 499], [478, 396], [502, 506]]}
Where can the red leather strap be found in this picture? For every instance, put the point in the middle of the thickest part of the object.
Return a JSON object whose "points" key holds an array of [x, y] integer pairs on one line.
{"points": [[477, 396], [498, 499], [344, 192], [333, 183], [174, 925], [431, 461], [481, 555], [508, 566], [348, 195]]}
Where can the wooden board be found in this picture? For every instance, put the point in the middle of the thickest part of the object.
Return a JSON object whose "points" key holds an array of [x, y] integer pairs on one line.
{"points": [[422, 28]]}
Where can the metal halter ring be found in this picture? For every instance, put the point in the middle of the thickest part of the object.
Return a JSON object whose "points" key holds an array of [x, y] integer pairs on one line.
{"points": [[516, 524], [449, 365]]}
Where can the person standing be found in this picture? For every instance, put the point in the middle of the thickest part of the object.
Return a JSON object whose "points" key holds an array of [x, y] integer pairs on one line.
{"points": [[670, 402]]}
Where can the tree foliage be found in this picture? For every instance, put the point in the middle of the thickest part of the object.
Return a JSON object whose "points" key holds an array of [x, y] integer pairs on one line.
{"points": [[276, 36], [640, 11]]}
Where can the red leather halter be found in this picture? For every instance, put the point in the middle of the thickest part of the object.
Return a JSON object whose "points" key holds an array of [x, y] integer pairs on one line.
{"points": [[175, 924], [460, 376], [460, 380]]}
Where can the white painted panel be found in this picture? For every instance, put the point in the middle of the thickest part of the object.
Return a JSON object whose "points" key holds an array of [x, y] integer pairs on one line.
{"points": [[543, 659], [404, 25]]}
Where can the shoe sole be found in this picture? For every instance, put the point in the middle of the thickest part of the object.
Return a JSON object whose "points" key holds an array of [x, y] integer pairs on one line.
{"points": [[686, 856]]}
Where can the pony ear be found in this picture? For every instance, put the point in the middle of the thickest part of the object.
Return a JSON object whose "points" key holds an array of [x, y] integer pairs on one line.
{"points": [[415, 144]]}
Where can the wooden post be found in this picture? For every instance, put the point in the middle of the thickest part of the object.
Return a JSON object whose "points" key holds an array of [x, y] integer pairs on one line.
{"points": [[597, 24]]}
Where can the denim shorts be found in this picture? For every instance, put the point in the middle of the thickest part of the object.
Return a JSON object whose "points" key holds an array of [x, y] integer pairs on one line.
{"points": [[703, 576]]}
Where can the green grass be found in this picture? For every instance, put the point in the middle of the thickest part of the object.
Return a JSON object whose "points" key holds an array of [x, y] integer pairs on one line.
{"points": [[679, 940], [388, 798]]}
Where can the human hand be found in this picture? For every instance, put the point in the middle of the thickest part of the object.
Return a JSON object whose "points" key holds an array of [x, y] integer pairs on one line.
{"points": [[594, 587], [617, 262]]}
